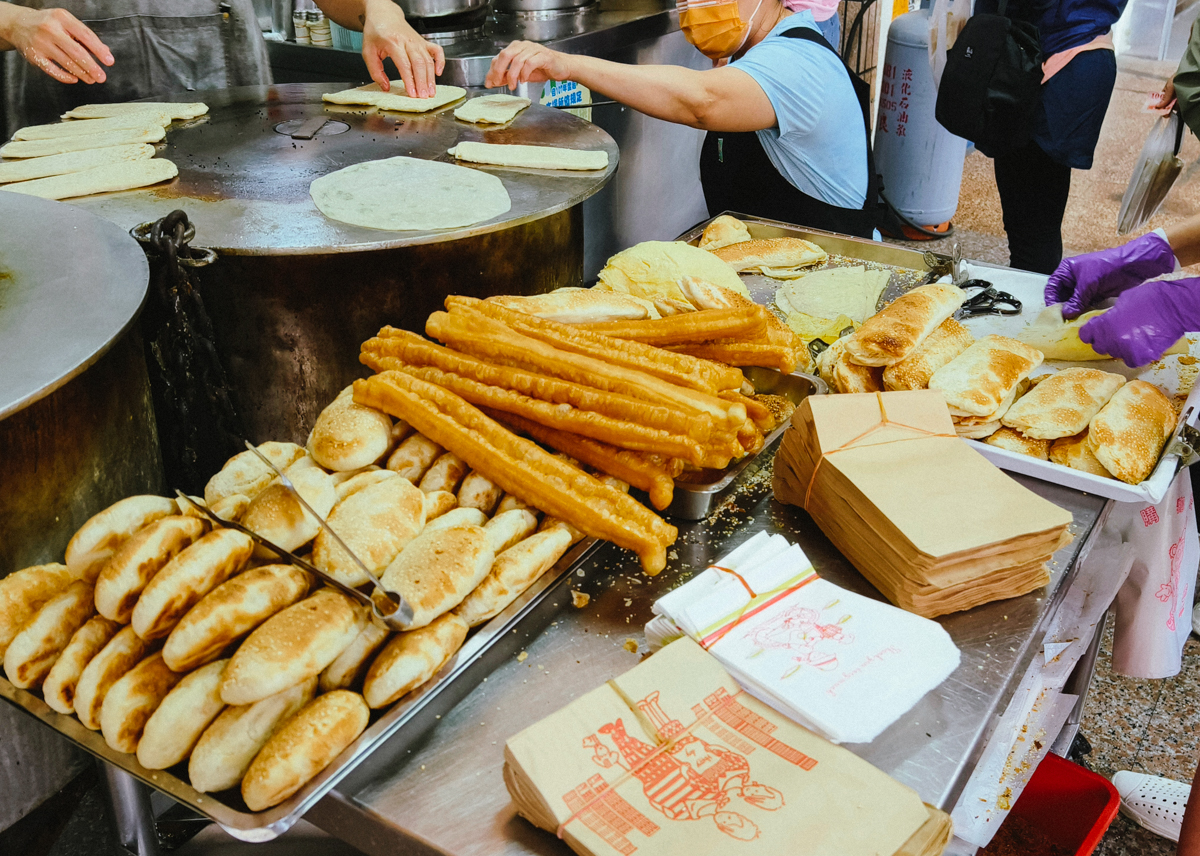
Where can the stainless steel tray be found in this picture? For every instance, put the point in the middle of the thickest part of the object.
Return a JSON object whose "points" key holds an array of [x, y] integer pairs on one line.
{"points": [[699, 493], [399, 727]]}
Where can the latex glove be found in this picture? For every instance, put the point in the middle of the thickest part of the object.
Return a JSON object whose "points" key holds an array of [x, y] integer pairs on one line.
{"points": [[527, 62], [1084, 280], [387, 34], [1146, 321], [56, 42]]}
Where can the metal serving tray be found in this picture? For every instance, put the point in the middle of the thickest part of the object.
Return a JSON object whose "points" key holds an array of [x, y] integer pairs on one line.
{"points": [[399, 727], [698, 493]]}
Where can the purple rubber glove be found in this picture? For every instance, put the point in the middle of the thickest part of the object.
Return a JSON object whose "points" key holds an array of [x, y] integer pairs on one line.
{"points": [[1084, 280], [1146, 321]]}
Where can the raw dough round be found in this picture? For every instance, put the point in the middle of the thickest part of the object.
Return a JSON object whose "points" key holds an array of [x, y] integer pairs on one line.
{"points": [[408, 194]]}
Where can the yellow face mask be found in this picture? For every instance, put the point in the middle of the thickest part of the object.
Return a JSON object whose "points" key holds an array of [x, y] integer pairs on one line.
{"points": [[715, 28]]}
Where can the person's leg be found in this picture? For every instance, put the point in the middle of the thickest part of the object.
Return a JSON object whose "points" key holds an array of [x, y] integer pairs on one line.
{"points": [[1033, 197], [1189, 832]]}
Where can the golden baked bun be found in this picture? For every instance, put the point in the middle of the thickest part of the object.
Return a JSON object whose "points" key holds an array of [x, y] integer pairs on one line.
{"points": [[1129, 432], [132, 699], [120, 654], [134, 564], [508, 528], [456, 517], [1014, 441], [437, 503], [99, 538], [245, 474], [233, 608], [413, 457], [478, 491], [24, 592], [276, 515], [348, 436], [514, 570], [304, 746], [358, 479], [412, 658], [1074, 452], [722, 232], [376, 523], [225, 750], [177, 723], [445, 473], [59, 687], [32, 652], [291, 646], [351, 665], [437, 570]]}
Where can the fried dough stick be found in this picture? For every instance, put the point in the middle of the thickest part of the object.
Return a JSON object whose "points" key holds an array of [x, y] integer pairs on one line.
{"points": [[417, 351], [486, 338], [651, 473], [520, 466], [771, 356], [747, 323], [701, 375], [627, 435]]}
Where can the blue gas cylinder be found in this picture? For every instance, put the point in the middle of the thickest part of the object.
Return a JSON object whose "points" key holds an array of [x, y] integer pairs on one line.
{"points": [[920, 161]]}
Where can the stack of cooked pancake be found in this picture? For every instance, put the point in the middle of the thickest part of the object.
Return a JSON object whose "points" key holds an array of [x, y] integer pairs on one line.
{"points": [[856, 463]]}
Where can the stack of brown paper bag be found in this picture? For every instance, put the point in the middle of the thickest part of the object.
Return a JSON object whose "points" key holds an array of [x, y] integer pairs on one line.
{"points": [[673, 758], [930, 522]]}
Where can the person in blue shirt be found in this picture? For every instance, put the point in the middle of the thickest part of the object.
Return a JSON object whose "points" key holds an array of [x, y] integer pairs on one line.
{"points": [[786, 120]]}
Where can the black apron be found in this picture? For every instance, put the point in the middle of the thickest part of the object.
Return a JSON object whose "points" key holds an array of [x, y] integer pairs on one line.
{"points": [[737, 175], [160, 47]]}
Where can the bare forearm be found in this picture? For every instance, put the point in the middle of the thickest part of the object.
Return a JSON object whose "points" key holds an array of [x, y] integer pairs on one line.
{"points": [[351, 14], [1184, 239], [8, 16], [667, 92]]}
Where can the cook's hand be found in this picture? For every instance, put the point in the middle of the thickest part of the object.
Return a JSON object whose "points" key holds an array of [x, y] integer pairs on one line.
{"points": [[527, 62], [387, 34], [56, 42], [1083, 280], [1146, 321]]}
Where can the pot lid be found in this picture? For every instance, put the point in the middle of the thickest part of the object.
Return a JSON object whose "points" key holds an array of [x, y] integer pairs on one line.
{"points": [[70, 284], [243, 181]]}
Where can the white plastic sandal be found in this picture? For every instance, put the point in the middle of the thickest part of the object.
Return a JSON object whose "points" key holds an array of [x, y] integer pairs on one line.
{"points": [[1152, 802]]}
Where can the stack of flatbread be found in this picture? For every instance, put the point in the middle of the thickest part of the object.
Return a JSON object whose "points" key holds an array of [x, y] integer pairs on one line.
{"points": [[98, 148], [976, 535], [982, 382]]}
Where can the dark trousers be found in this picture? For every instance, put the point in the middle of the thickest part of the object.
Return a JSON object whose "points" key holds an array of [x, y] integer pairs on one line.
{"points": [[1033, 194]]}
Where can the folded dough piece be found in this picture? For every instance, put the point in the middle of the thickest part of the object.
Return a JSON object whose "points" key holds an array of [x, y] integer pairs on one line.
{"points": [[1059, 339], [899, 328], [1074, 452], [491, 109], [1063, 404], [176, 109], [771, 252], [851, 291], [666, 268], [55, 130], [1015, 441], [1129, 432], [535, 157], [974, 430], [941, 346], [580, 306], [81, 142], [722, 232], [109, 178], [31, 168], [395, 99], [835, 369], [979, 380]]}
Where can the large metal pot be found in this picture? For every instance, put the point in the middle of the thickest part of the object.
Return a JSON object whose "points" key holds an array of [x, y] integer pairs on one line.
{"points": [[76, 425]]}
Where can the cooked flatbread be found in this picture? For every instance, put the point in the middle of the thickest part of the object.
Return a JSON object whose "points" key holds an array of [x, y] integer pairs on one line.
{"points": [[109, 178], [941, 346], [973, 430], [1015, 441], [55, 130], [580, 306], [722, 232], [395, 99], [408, 194], [491, 109], [1074, 452], [1129, 432], [375, 523], [530, 157], [844, 376], [665, 268], [900, 327], [81, 142], [1063, 404], [977, 381], [246, 475], [440, 568], [849, 291], [771, 252], [68, 162], [176, 110], [412, 658]]}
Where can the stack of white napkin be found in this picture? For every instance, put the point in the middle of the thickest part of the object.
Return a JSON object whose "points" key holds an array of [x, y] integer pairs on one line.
{"points": [[840, 664]]}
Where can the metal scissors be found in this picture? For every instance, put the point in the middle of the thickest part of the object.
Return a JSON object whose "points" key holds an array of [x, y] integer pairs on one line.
{"points": [[988, 301]]}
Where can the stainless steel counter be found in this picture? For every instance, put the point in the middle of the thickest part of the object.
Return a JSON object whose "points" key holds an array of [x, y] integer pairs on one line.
{"points": [[446, 795]]}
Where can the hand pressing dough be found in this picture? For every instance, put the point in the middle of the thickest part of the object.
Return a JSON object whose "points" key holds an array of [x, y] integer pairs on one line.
{"points": [[491, 109], [109, 178], [372, 96], [535, 157]]}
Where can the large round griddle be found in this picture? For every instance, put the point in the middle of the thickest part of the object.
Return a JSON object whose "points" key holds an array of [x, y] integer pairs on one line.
{"points": [[70, 284], [245, 185]]}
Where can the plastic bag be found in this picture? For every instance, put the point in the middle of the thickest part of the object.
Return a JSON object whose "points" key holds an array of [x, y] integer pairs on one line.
{"points": [[1157, 168]]}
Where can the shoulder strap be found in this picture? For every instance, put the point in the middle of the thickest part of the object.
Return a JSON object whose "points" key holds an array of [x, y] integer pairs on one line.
{"points": [[809, 35]]}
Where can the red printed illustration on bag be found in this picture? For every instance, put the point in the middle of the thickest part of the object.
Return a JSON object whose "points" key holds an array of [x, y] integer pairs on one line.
{"points": [[1179, 505], [1169, 591], [1149, 515], [692, 780], [800, 631]]}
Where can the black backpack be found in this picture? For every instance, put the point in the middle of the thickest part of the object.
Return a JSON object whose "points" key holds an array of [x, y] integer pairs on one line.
{"points": [[991, 86]]}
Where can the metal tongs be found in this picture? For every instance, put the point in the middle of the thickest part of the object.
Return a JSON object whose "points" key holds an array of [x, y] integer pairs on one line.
{"points": [[1185, 442]]}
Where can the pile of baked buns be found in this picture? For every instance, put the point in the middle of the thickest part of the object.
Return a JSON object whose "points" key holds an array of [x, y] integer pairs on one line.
{"points": [[182, 642], [1082, 418]]}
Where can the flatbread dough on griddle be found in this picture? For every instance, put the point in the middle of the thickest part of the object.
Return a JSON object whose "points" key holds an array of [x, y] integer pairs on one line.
{"points": [[31, 168], [372, 96], [491, 109], [176, 110], [407, 194], [123, 175], [81, 142], [850, 291], [535, 157], [140, 119]]}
